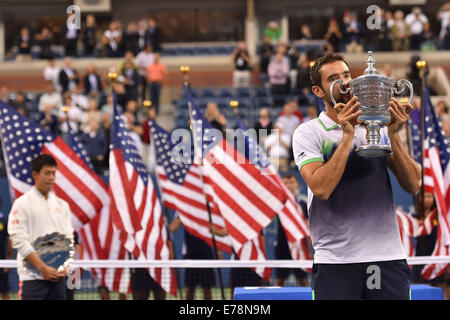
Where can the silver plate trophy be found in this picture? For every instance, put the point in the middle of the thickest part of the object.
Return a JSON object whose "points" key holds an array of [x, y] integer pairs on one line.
{"points": [[374, 91], [55, 250]]}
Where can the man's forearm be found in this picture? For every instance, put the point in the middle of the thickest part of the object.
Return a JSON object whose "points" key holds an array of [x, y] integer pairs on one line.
{"points": [[327, 177], [403, 165]]}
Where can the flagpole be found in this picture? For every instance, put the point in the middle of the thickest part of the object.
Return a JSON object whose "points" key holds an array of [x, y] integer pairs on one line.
{"points": [[185, 71], [421, 65], [148, 104]]}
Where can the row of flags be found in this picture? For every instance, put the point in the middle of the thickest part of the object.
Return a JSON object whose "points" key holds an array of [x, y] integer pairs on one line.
{"points": [[218, 185]]}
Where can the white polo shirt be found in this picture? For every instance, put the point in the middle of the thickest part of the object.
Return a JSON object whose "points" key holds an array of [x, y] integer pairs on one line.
{"points": [[358, 222], [32, 216]]}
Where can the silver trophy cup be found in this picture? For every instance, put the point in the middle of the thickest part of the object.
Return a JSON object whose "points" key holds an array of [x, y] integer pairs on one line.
{"points": [[374, 91], [55, 250]]}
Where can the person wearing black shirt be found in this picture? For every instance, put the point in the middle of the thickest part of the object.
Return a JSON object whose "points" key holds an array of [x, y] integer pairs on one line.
{"points": [[24, 44], [241, 60], [130, 39], [265, 53], [90, 36], [152, 35]]}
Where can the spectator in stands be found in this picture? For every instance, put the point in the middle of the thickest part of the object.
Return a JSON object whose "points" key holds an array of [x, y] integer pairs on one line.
{"points": [[129, 57], [400, 32], [48, 120], [20, 104], [305, 33], [156, 73], [442, 110], [153, 35], [311, 113], [135, 129], [293, 55], [92, 83], [131, 82], [241, 60], [95, 145], [51, 73], [443, 15], [265, 53], [112, 39], [281, 247], [264, 124], [108, 107], [304, 69], [142, 29], [143, 60], [91, 114], [352, 33], [6, 252], [71, 35], [50, 97], [44, 40], [72, 117], [416, 21], [273, 31], [427, 38], [333, 36], [90, 36], [4, 94], [24, 44], [195, 248], [215, 117], [290, 118], [68, 77], [78, 98], [278, 145], [278, 77], [380, 35], [130, 39]]}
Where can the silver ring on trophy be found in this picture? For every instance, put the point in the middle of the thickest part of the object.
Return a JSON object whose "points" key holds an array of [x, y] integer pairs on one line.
{"points": [[55, 250], [374, 91]]}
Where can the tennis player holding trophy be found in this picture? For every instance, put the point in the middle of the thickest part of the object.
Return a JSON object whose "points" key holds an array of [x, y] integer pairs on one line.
{"points": [[41, 230], [343, 156]]}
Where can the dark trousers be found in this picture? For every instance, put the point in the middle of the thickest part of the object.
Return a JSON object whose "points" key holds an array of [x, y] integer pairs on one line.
{"points": [[155, 91], [71, 47], [44, 290], [382, 280], [145, 87]]}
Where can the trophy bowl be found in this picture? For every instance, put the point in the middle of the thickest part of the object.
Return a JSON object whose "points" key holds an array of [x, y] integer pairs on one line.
{"points": [[374, 91], [55, 250]]}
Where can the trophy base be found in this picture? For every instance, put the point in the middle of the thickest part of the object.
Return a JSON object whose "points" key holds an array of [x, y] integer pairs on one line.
{"points": [[373, 151]]}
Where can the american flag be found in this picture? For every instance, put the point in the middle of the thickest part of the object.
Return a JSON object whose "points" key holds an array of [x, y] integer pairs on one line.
{"points": [[292, 217], [436, 178], [246, 199], [99, 239], [411, 228], [135, 207], [182, 186], [23, 140]]}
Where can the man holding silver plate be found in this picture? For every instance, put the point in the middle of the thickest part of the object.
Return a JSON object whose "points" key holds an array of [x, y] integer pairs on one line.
{"points": [[343, 156], [41, 230]]}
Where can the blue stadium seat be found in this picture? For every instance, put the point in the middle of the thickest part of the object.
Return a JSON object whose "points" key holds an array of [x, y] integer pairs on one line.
{"points": [[243, 92], [169, 52], [225, 93], [186, 51], [208, 93], [203, 51]]}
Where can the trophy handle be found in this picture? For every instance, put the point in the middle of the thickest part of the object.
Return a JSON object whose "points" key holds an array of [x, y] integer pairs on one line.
{"points": [[341, 84], [402, 83]]}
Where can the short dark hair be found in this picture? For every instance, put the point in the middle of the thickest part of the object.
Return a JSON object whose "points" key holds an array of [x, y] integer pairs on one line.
{"points": [[319, 63], [289, 176], [41, 161]]}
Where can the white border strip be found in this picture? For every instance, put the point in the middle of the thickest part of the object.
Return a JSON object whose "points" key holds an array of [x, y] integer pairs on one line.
{"points": [[212, 263]]}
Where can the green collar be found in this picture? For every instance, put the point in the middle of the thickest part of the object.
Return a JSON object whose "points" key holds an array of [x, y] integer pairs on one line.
{"points": [[326, 122]]}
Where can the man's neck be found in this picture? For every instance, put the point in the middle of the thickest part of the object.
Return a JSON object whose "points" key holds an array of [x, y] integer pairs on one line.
{"points": [[44, 194]]}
